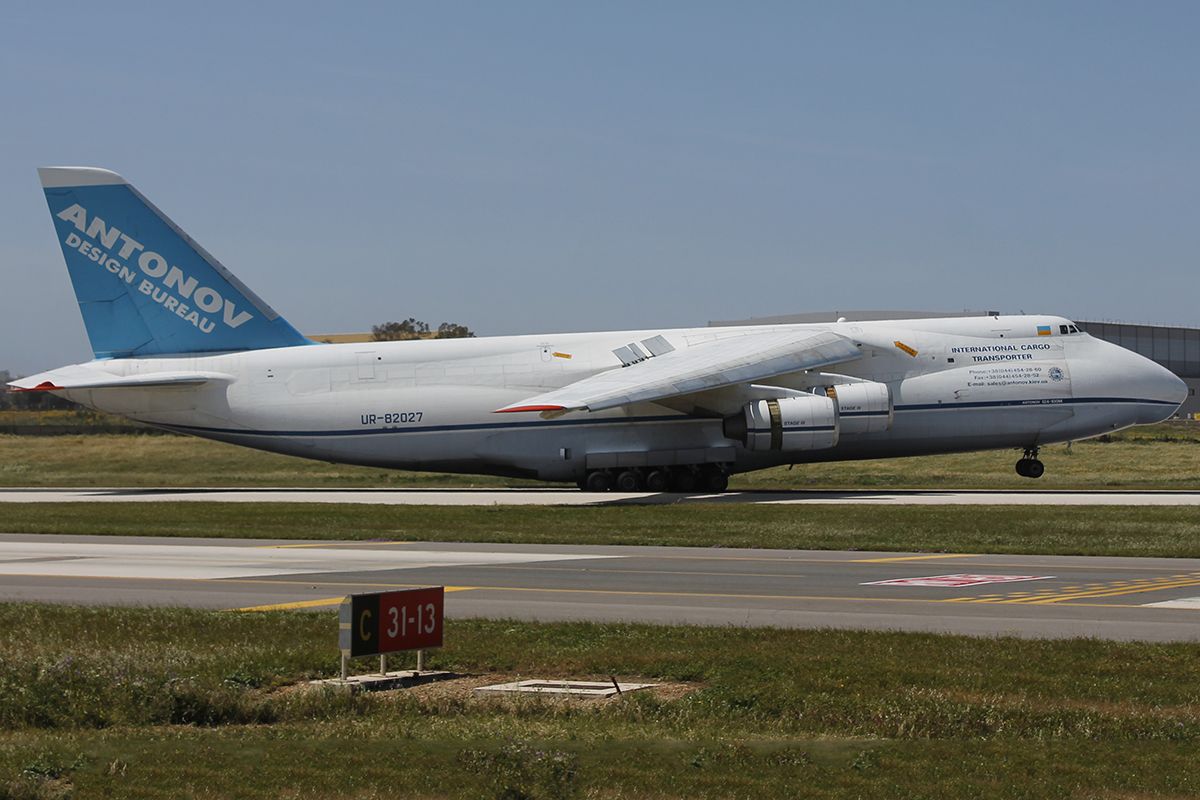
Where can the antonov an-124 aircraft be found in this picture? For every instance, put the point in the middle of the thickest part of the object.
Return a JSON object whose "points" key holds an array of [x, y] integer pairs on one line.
{"points": [[180, 343]]}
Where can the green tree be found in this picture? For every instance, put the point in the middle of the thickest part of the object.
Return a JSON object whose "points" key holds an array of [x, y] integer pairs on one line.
{"points": [[410, 328], [413, 328], [452, 330]]}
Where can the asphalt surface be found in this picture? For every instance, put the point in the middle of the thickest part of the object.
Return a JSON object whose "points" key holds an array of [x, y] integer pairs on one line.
{"points": [[1032, 596], [573, 497]]}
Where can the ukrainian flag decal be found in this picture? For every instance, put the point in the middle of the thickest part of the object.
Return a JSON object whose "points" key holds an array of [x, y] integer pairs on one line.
{"points": [[1043, 330]]}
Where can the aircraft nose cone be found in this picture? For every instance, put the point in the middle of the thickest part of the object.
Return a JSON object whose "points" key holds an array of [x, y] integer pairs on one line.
{"points": [[1158, 384], [1177, 390]]}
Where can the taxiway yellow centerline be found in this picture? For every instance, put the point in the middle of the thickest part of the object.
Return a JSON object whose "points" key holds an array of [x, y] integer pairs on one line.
{"points": [[324, 601], [1114, 589], [1124, 590]]}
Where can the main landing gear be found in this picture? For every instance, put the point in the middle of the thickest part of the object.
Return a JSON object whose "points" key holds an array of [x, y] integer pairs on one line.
{"points": [[709, 478], [1029, 466]]}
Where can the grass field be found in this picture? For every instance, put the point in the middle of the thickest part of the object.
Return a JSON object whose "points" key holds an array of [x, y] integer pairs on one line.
{"points": [[1160, 456], [75, 417], [138, 703], [1081, 530]]}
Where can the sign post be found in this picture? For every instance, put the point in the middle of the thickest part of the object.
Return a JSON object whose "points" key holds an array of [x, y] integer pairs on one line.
{"points": [[390, 622]]}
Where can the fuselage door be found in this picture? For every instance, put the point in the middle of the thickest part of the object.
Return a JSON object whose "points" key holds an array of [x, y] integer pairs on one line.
{"points": [[366, 365]]}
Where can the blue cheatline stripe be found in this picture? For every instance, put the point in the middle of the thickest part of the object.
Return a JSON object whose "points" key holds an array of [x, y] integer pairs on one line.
{"points": [[794, 430], [472, 426], [479, 426], [1041, 402]]}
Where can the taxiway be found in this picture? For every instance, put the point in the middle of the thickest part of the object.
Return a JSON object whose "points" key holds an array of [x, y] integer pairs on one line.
{"points": [[1032, 596]]}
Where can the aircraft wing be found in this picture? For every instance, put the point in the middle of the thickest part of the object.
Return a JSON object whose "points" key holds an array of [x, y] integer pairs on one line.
{"points": [[699, 368], [81, 376]]}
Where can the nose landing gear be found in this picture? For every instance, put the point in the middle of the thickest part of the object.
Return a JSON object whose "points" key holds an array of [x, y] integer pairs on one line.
{"points": [[1029, 466]]}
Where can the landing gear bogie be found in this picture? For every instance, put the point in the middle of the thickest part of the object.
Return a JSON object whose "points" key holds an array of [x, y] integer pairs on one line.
{"points": [[710, 478]]}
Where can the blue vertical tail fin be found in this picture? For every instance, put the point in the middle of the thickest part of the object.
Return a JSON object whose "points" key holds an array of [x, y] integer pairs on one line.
{"points": [[144, 286]]}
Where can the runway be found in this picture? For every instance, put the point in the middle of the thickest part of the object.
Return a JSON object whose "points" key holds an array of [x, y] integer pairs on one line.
{"points": [[573, 497], [1030, 596]]}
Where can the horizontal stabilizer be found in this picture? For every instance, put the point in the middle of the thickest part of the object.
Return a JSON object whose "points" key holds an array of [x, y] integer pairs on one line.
{"points": [[82, 376], [725, 362]]}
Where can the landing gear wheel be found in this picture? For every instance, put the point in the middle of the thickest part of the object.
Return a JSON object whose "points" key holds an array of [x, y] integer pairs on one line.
{"points": [[683, 480], [598, 481], [716, 481], [629, 481], [1029, 466], [657, 481]]}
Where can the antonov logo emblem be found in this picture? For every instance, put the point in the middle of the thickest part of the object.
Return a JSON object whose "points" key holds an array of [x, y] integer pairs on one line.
{"points": [[164, 283]]}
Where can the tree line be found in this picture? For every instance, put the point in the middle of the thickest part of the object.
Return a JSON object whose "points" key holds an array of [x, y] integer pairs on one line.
{"points": [[413, 328]]}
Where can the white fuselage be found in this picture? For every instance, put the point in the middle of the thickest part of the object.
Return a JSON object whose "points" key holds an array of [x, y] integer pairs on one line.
{"points": [[955, 384]]}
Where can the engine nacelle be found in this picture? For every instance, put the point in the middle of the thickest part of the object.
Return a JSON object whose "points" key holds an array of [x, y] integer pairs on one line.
{"points": [[862, 407], [807, 422]]}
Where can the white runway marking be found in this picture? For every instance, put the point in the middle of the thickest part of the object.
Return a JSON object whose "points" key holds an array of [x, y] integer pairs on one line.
{"points": [[67, 559], [1192, 603], [571, 497]]}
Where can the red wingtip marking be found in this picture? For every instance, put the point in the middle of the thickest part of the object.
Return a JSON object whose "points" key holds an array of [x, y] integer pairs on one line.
{"points": [[528, 408], [44, 386]]}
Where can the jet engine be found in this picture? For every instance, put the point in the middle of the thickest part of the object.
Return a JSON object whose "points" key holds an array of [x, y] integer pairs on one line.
{"points": [[806, 422], [864, 407]]}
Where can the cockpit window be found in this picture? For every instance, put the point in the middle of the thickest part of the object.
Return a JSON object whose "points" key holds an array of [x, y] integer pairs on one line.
{"points": [[1074, 329], [1063, 329]]}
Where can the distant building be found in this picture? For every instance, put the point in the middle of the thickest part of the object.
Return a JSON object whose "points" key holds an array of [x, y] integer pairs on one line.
{"points": [[1177, 349]]}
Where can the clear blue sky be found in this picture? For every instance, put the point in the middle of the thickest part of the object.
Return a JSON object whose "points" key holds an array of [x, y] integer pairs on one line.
{"points": [[535, 167]]}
